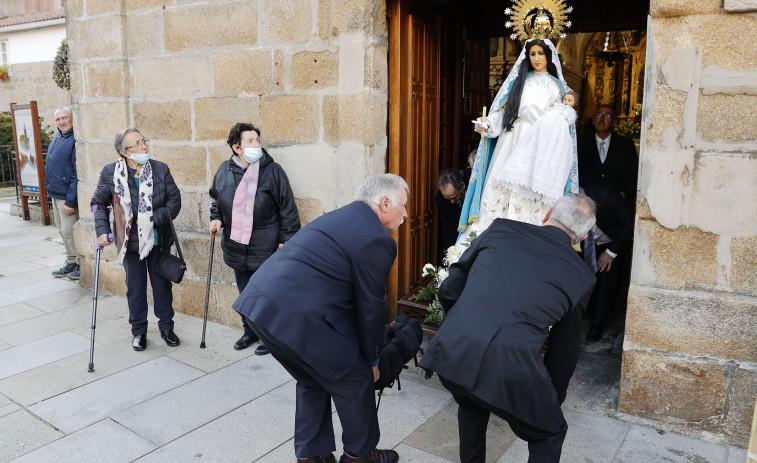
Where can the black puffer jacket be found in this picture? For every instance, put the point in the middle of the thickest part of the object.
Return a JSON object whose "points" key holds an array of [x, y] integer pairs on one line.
{"points": [[275, 217], [166, 203]]}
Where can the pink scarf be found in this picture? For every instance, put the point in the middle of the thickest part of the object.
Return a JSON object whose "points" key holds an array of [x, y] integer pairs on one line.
{"points": [[244, 205]]}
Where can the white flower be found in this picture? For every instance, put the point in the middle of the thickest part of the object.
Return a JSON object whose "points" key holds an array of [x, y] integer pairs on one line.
{"points": [[508, 11], [568, 24], [513, 36], [442, 275], [428, 270], [508, 24]]}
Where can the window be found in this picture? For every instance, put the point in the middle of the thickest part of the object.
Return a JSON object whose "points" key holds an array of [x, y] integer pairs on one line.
{"points": [[3, 52]]}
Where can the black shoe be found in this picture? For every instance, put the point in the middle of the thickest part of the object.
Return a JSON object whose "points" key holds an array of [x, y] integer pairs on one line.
{"points": [[170, 337], [66, 270], [262, 350], [376, 456], [594, 334], [325, 458], [245, 341], [139, 342], [76, 274]]}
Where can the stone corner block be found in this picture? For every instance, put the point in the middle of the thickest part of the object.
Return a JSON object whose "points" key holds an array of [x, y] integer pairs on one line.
{"points": [[290, 119], [315, 69], [238, 19], [214, 117], [165, 121]]}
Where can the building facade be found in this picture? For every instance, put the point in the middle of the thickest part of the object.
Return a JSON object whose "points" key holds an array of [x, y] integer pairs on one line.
{"points": [[314, 75]]}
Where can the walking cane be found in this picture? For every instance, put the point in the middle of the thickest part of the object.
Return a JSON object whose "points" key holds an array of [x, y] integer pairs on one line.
{"points": [[207, 286], [98, 250]]}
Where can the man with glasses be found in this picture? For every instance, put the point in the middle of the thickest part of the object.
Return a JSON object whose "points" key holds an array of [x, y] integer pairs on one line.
{"points": [[608, 161], [449, 202], [607, 157], [61, 183]]}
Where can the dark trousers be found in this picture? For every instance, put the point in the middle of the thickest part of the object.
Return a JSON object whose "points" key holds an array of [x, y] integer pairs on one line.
{"points": [[473, 418], [353, 395], [242, 279], [603, 297], [136, 292]]}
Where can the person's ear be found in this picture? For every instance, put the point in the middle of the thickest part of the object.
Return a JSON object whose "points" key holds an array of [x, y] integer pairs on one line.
{"points": [[385, 203], [237, 149], [546, 217]]}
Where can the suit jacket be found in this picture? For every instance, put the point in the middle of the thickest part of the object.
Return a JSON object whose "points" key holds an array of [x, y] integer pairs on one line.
{"points": [[614, 216], [620, 169], [322, 293], [513, 283]]}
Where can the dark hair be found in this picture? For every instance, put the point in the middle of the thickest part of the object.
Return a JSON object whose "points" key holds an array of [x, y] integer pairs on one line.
{"points": [[575, 97], [452, 177], [512, 106], [612, 111], [235, 134]]}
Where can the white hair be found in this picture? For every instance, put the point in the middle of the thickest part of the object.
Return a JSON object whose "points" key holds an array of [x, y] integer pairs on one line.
{"points": [[119, 143], [576, 212], [67, 108], [376, 187]]}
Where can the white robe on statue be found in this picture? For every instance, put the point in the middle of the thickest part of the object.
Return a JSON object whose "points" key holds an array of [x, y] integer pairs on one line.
{"points": [[540, 93]]}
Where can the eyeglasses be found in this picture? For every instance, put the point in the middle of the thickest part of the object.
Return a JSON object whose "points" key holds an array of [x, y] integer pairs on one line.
{"points": [[139, 144], [602, 116]]}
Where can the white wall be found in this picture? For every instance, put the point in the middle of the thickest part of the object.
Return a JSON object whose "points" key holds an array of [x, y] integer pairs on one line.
{"points": [[34, 45]]}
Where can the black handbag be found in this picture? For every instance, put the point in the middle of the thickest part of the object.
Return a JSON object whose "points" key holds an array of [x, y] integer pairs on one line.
{"points": [[170, 266]]}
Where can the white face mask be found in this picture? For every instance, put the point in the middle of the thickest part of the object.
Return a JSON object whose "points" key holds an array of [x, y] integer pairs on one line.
{"points": [[252, 155], [140, 158]]}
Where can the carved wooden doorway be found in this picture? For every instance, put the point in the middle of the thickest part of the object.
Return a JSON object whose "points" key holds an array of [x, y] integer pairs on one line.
{"points": [[413, 137]]}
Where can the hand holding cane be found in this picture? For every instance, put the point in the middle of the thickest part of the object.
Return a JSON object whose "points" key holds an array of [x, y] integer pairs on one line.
{"points": [[207, 286], [98, 250]]}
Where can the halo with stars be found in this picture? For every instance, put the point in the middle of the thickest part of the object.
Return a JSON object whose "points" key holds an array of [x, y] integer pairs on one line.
{"points": [[522, 10]]}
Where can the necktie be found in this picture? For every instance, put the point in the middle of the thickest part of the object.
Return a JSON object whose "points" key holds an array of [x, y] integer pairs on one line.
{"points": [[602, 152]]}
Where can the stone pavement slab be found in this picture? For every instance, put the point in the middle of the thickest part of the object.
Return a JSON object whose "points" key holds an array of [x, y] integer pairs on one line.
{"points": [[242, 435], [412, 455], [28, 356], [104, 441], [4, 345], [23, 432], [93, 402], [439, 436], [590, 438], [65, 299], [51, 262], [55, 378], [20, 267], [204, 399], [17, 312], [27, 331], [645, 444], [23, 292]]}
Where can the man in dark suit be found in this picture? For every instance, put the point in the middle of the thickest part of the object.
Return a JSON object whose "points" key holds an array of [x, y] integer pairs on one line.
{"points": [[613, 236], [318, 304], [449, 202], [513, 283], [608, 158]]}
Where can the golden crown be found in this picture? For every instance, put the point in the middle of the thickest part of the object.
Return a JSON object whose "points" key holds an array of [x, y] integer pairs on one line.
{"points": [[538, 19]]}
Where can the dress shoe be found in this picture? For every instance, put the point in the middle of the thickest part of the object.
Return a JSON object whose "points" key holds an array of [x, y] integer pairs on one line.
{"points": [[262, 350], [325, 458], [170, 337], [245, 341], [594, 334], [139, 342], [376, 456]]}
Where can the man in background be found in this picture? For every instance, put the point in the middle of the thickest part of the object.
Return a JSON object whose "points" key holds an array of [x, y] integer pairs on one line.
{"points": [[61, 183]]}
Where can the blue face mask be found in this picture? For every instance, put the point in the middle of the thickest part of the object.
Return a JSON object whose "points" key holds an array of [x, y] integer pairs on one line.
{"points": [[140, 158], [252, 155]]}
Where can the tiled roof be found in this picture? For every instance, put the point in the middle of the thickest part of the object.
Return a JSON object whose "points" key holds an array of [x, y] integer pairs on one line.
{"points": [[33, 17]]}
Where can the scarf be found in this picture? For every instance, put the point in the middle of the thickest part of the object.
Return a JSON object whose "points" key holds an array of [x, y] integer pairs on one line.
{"points": [[123, 214], [244, 204]]}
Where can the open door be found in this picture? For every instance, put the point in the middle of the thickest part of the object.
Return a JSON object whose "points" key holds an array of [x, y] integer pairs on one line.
{"points": [[413, 138]]}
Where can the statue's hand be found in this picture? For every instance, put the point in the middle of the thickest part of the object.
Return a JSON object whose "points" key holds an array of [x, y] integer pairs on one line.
{"points": [[481, 125]]}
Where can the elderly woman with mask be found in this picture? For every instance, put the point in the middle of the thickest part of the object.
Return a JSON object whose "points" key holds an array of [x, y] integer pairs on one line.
{"points": [[254, 204], [145, 199]]}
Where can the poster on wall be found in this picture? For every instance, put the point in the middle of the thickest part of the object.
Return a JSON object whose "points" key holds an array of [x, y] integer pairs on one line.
{"points": [[29, 160]]}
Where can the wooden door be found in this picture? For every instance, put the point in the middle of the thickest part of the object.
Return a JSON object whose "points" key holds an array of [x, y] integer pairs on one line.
{"points": [[413, 138]]}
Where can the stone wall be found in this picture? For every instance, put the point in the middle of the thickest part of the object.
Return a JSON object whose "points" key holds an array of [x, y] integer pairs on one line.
{"points": [[311, 74], [690, 356], [33, 81]]}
